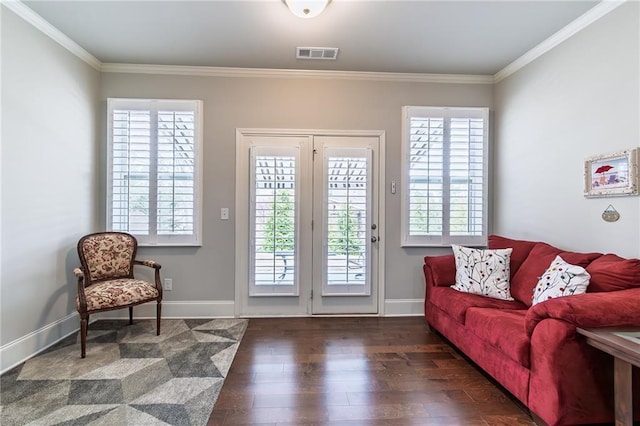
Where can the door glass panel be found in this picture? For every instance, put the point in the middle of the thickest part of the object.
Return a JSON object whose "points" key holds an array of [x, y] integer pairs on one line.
{"points": [[274, 224], [347, 221]]}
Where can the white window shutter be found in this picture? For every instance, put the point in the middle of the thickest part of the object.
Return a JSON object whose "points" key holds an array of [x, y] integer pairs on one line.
{"points": [[274, 211], [130, 171], [426, 177], [155, 177], [176, 173], [445, 163]]}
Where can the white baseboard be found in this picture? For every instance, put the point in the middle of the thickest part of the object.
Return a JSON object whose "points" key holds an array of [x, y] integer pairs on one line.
{"points": [[19, 350], [23, 348], [403, 307]]}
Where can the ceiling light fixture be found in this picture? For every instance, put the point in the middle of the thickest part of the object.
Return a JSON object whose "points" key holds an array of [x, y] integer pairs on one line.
{"points": [[306, 8]]}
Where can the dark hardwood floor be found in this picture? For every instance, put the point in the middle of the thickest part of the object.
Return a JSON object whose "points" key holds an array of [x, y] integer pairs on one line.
{"points": [[356, 371]]}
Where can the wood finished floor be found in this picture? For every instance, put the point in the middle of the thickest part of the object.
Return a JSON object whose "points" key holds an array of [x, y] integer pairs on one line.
{"points": [[356, 371]]}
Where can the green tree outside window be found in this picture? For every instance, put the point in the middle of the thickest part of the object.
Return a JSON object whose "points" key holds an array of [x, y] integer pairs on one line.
{"points": [[279, 230], [343, 235]]}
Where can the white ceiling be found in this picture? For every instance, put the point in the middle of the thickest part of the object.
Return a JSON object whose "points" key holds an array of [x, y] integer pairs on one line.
{"points": [[444, 37]]}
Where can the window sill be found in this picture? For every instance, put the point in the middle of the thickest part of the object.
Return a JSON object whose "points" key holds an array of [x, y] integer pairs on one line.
{"points": [[140, 244]]}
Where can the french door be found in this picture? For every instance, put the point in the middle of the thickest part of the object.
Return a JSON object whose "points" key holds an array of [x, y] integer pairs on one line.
{"points": [[345, 225], [310, 217]]}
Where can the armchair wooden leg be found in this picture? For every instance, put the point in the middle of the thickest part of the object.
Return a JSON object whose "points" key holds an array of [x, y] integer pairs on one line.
{"points": [[84, 319], [130, 315], [158, 311]]}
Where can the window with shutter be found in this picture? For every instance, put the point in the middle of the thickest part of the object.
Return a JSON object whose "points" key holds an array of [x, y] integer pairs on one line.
{"points": [[274, 220], [445, 176], [347, 202], [154, 172]]}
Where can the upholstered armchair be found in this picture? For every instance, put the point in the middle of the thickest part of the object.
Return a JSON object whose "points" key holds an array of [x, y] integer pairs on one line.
{"points": [[106, 281]]}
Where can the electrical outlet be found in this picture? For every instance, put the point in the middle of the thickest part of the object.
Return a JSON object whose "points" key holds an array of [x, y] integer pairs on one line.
{"points": [[168, 284]]}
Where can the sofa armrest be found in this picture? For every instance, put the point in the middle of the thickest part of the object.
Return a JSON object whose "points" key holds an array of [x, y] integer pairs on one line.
{"points": [[604, 309], [439, 271]]}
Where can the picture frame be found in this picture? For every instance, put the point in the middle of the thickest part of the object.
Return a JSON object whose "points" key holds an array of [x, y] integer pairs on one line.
{"points": [[611, 175]]}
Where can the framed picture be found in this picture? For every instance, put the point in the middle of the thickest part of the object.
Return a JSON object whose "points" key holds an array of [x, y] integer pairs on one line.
{"points": [[610, 175]]}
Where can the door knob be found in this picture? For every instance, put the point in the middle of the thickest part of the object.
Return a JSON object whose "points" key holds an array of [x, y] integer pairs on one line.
{"points": [[374, 239]]}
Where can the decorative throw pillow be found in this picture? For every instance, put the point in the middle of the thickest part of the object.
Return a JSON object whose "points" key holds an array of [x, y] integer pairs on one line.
{"points": [[484, 272], [560, 279]]}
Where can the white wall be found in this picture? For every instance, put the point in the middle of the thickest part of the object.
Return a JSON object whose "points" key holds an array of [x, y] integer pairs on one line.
{"points": [[578, 100], [207, 273], [49, 196]]}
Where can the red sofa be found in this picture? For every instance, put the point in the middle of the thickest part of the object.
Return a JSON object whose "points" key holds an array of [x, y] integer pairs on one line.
{"points": [[535, 351]]}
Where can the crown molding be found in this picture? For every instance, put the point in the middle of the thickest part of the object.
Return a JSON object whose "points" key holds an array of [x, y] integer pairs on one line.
{"points": [[588, 18], [286, 73], [23, 11]]}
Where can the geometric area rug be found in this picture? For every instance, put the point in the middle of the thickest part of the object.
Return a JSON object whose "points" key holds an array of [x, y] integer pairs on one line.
{"points": [[129, 377]]}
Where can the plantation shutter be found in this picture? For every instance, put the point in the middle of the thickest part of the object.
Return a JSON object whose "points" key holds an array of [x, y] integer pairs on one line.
{"points": [[346, 200], [176, 172], [445, 168], [426, 176], [274, 220], [130, 171], [154, 176], [466, 177]]}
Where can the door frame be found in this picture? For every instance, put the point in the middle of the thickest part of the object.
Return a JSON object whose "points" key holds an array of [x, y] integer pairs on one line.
{"points": [[242, 210]]}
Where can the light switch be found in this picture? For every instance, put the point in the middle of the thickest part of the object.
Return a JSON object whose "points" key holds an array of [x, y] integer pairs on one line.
{"points": [[224, 213], [393, 186]]}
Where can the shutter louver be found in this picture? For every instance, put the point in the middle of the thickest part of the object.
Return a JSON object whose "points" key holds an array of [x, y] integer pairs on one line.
{"points": [[466, 161], [176, 173], [426, 196], [275, 220], [131, 162], [347, 187]]}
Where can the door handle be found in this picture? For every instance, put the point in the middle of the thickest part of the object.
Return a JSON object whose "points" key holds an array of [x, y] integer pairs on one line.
{"points": [[374, 239]]}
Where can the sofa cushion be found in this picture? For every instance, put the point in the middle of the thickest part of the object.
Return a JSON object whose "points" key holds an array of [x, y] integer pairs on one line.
{"points": [[560, 279], [521, 249], [483, 272], [456, 303], [502, 329], [536, 263], [610, 272]]}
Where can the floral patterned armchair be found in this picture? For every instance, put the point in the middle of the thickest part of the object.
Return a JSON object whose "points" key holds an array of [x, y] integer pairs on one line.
{"points": [[106, 281]]}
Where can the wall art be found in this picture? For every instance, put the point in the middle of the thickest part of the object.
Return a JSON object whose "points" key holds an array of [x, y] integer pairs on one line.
{"points": [[611, 175]]}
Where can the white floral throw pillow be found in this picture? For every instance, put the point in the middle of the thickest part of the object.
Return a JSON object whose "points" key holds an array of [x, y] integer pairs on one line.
{"points": [[560, 279], [484, 272]]}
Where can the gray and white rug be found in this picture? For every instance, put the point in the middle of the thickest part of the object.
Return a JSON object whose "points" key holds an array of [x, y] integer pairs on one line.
{"points": [[129, 377]]}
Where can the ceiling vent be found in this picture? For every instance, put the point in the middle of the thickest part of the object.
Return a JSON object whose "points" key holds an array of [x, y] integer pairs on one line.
{"points": [[330, 53]]}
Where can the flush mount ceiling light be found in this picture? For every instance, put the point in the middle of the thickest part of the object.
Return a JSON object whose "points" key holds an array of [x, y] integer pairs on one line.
{"points": [[306, 8]]}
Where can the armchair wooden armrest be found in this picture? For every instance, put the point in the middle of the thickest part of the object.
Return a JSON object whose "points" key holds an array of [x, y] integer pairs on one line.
{"points": [[82, 301], [147, 262], [155, 265]]}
